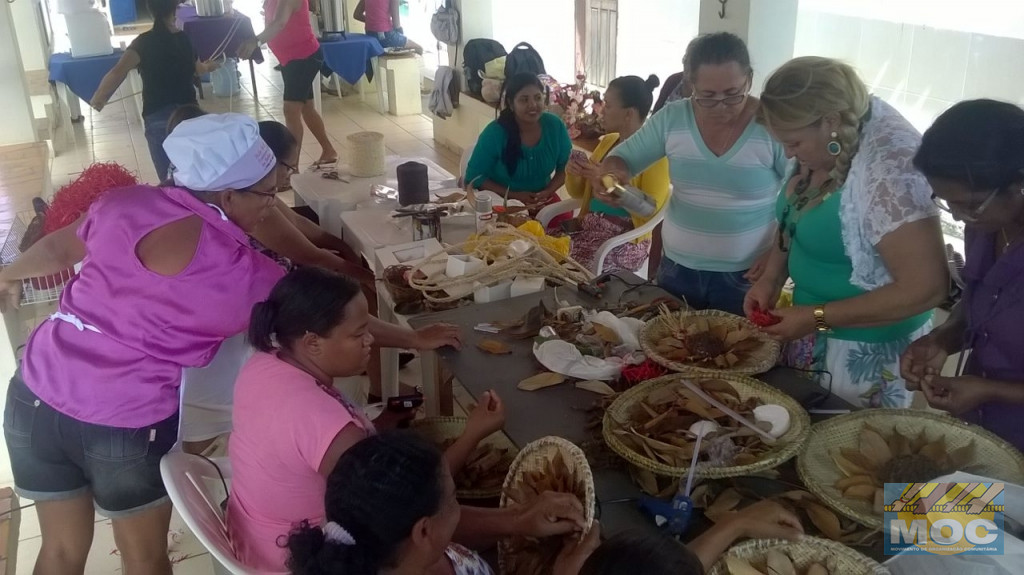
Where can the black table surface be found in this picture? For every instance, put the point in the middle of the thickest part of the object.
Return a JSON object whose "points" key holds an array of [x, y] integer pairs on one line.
{"points": [[561, 410]]}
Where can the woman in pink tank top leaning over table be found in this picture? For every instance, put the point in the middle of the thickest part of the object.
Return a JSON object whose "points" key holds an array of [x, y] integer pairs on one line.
{"points": [[167, 274], [383, 22], [290, 36]]}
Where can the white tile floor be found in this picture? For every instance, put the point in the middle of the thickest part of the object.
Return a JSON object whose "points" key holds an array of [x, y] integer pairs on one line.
{"points": [[116, 135]]}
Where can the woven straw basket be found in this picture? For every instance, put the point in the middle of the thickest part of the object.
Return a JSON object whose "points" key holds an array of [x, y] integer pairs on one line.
{"points": [[993, 457], [759, 361], [803, 553], [788, 445], [367, 159], [534, 457], [440, 429]]}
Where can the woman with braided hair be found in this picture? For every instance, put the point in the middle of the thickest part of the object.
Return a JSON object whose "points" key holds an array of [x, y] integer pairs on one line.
{"points": [[858, 233]]}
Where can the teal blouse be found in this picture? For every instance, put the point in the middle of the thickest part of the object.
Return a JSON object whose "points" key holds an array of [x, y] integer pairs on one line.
{"points": [[536, 166]]}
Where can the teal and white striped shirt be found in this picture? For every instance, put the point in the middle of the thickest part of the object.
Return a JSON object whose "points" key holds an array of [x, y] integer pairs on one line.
{"points": [[721, 216]]}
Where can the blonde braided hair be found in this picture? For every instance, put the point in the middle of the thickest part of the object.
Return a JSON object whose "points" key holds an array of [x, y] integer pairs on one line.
{"points": [[804, 90]]}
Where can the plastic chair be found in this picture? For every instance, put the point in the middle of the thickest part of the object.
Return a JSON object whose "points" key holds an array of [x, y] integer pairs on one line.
{"points": [[188, 479], [549, 213], [464, 163]]}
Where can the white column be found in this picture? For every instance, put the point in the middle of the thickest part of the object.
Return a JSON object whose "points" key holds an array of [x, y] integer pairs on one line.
{"points": [[477, 21], [767, 26], [30, 34], [17, 125]]}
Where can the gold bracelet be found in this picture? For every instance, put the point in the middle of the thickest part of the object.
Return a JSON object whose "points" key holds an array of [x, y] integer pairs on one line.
{"points": [[819, 319]]}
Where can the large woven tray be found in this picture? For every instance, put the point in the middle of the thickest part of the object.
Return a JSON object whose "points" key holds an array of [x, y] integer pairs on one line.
{"points": [[533, 457], [993, 457], [440, 429], [804, 552], [759, 361], [788, 445]]}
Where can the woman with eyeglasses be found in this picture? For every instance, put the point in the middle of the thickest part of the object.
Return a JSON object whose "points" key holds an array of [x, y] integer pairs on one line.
{"points": [[284, 235], [858, 234], [206, 393], [167, 274], [725, 171], [973, 157]]}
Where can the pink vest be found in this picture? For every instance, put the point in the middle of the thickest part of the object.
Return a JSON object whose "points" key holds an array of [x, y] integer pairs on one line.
{"points": [[378, 15], [297, 40], [113, 353]]}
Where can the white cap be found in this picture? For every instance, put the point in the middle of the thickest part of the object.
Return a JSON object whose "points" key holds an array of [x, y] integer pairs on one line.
{"points": [[218, 152]]}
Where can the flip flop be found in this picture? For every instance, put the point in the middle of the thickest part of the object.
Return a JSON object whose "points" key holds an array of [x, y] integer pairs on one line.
{"points": [[322, 165]]}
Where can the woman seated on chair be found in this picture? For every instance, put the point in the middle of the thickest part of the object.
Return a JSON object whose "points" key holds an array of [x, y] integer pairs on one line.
{"points": [[291, 425], [627, 103], [391, 508], [524, 152], [206, 393]]}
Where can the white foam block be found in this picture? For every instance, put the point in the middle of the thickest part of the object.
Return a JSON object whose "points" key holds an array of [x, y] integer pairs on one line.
{"points": [[497, 292], [459, 265], [524, 285]]}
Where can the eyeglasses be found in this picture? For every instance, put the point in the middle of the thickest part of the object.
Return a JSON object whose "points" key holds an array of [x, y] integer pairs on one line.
{"points": [[272, 194], [974, 213], [713, 102], [727, 101]]}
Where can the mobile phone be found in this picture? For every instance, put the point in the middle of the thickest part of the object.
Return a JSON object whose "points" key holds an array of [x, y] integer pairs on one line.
{"points": [[405, 402], [579, 155]]}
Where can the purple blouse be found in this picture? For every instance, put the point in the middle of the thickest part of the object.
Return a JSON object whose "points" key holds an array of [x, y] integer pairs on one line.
{"points": [[994, 297], [114, 353]]}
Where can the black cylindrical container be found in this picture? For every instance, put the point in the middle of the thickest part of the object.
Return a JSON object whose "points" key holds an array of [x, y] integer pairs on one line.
{"points": [[413, 186]]}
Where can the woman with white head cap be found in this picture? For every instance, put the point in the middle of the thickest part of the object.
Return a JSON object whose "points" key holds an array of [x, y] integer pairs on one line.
{"points": [[167, 274]]}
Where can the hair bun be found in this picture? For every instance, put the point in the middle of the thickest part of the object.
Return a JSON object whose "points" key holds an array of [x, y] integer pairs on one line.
{"points": [[652, 82]]}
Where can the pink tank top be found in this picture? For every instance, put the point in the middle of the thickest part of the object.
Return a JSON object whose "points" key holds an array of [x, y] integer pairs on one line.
{"points": [[113, 353], [378, 15], [297, 40]]}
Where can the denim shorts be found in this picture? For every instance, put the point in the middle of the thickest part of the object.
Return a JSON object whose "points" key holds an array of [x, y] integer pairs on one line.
{"points": [[390, 39], [56, 457], [703, 289]]}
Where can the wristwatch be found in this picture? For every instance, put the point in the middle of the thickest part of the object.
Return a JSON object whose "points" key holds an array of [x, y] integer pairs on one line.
{"points": [[819, 319]]}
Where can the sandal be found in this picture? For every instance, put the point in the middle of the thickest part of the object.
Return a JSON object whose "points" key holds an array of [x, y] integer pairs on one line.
{"points": [[323, 165]]}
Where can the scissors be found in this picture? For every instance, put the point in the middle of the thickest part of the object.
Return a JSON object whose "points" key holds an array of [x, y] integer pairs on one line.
{"points": [[334, 175]]}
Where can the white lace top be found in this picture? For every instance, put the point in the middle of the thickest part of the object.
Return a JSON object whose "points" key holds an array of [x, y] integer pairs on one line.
{"points": [[466, 562], [883, 191]]}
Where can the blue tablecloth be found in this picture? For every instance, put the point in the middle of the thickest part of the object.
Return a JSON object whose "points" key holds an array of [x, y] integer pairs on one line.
{"points": [[349, 57], [82, 75]]}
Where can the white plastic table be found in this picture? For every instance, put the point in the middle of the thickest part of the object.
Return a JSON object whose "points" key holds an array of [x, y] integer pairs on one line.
{"points": [[330, 198], [366, 231]]}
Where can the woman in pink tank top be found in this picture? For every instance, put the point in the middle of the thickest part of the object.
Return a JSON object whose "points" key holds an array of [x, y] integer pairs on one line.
{"points": [[166, 275], [290, 36], [384, 23]]}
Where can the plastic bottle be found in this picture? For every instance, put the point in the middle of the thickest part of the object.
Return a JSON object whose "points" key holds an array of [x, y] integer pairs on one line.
{"points": [[484, 213], [632, 199]]}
